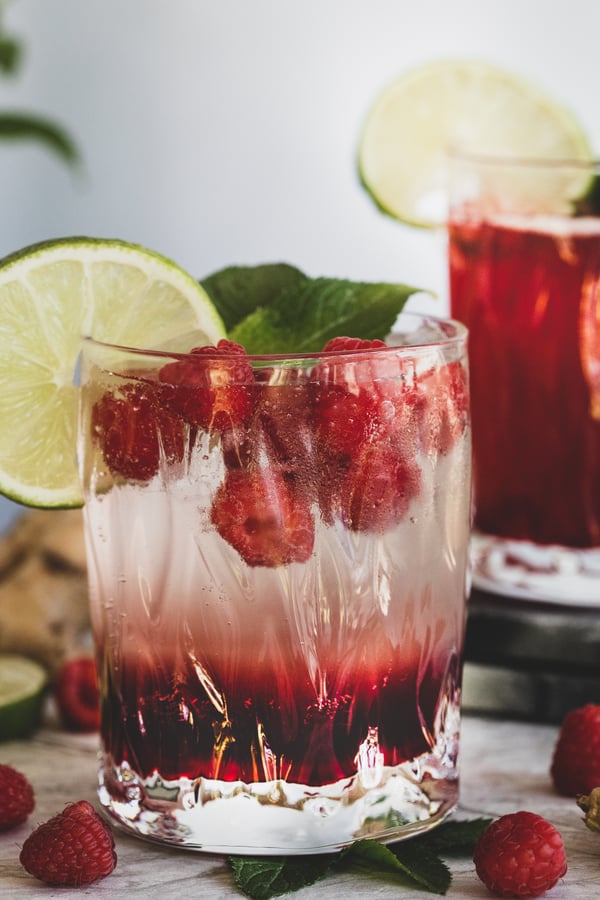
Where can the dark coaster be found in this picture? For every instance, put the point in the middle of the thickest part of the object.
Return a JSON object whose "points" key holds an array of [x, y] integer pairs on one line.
{"points": [[530, 660]]}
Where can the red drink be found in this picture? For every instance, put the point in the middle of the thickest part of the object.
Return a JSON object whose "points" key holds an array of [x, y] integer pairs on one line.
{"points": [[524, 288], [277, 562], [160, 717]]}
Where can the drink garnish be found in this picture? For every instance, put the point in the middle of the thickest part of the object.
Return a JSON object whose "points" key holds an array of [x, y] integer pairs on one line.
{"points": [[275, 308], [416, 863], [304, 316], [53, 293], [461, 104]]}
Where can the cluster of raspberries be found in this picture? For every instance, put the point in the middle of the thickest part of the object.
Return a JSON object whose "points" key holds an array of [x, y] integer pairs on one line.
{"points": [[341, 437]]}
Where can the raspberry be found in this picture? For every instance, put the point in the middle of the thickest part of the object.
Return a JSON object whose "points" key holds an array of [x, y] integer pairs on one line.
{"points": [[377, 489], [17, 797], [258, 513], [351, 345], [283, 412], [77, 697], [212, 386], [520, 855], [135, 431], [447, 406], [74, 848], [348, 406], [343, 419], [575, 767]]}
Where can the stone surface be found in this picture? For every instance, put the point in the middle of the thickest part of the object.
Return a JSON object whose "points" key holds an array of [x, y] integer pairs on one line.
{"points": [[504, 767]]}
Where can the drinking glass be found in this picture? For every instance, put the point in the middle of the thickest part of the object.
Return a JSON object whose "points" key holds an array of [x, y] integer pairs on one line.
{"points": [[524, 262], [278, 557]]}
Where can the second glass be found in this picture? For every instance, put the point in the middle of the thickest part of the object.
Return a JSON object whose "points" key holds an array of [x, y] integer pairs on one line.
{"points": [[278, 561], [524, 251]]}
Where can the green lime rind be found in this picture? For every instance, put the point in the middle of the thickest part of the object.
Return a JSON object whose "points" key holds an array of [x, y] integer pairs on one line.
{"points": [[23, 685], [469, 104], [51, 295]]}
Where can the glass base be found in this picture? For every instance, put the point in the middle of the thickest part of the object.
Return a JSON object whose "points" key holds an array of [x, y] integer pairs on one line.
{"points": [[278, 818], [547, 574]]}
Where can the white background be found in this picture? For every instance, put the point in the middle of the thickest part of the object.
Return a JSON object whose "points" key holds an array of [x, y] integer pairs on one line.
{"points": [[225, 131]]}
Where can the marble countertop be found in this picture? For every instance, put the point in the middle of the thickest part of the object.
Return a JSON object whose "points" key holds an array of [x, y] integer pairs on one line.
{"points": [[504, 767]]}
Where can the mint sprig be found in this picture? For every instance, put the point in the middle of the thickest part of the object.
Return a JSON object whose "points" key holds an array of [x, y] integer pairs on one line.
{"points": [[415, 862], [414, 865], [263, 877], [237, 291], [276, 309]]}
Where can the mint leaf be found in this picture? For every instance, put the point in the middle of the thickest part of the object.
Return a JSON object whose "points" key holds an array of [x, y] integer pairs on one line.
{"points": [[455, 836], [237, 290], [409, 860], [264, 877], [413, 862], [262, 331], [309, 313]]}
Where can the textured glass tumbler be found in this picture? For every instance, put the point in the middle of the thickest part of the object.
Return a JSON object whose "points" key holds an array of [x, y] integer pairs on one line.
{"points": [[278, 562], [525, 279]]}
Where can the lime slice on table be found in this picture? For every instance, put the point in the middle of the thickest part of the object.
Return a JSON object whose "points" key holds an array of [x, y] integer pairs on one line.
{"points": [[52, 294], [471, 105], [22, 686]]}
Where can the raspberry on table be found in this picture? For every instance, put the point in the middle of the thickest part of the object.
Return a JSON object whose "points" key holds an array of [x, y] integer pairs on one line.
{"points": [[17, 800], [212, 386], [74, 848], [575, 767], [133, 429], [77, 696], [520, 855]]}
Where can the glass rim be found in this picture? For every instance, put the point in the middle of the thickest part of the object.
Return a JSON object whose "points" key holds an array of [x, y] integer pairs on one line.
{"points": [[453, 332], [460, 154]]}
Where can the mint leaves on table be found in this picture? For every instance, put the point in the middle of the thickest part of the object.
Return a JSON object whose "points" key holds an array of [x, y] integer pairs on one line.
{"points": [[415, 862], [275, 308], [264, 877]]}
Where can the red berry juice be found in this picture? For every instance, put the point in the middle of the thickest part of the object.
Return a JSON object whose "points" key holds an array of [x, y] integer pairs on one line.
{"points": [[527, 291], [279, 608]]}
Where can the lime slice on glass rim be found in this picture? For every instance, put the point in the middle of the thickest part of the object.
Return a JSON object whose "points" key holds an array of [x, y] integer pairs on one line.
{"points": [[470, 106], [52, 294], [22, 687]]}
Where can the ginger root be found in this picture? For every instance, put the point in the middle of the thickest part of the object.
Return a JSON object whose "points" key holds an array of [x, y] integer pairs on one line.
{"points": [[590, 804], [43, 587]]}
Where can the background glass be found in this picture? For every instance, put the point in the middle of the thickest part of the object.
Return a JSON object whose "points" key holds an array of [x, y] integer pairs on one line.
{"points": [[524, 252], [277, 555]]}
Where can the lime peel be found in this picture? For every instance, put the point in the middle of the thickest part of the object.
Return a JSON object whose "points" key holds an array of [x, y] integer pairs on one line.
{"points": [[51, 295], [23, 684], [468, 104]]}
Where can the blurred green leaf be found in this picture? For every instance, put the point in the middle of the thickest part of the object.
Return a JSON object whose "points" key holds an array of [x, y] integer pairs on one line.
{"points": [[10, 55], [26, 126]]}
